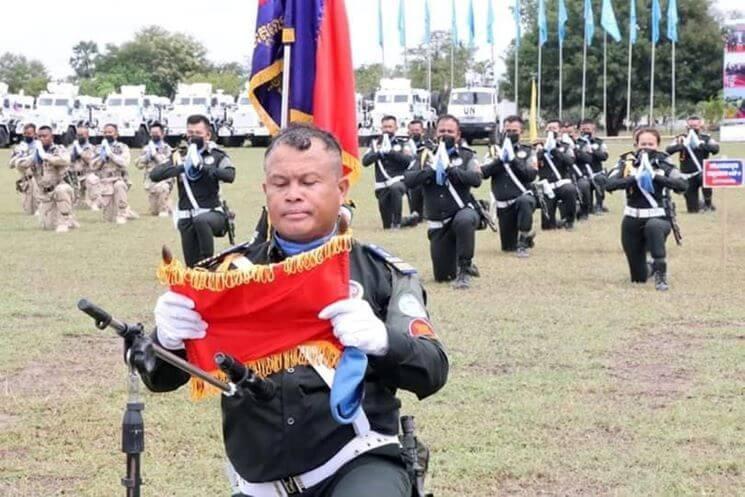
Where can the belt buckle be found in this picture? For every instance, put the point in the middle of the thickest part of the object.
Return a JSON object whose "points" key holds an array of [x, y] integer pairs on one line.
{"points": [[292, 485]]}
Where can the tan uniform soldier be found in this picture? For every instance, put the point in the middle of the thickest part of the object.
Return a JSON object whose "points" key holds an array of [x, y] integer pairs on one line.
{"points": [[26, 185], [110, 163], [82, 154], [155, 153], [56, 196]]}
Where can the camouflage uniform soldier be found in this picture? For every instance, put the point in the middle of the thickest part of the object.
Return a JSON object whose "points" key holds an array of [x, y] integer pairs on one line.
{"points": [[26, 185], [56, 196], [111, 161], [155, 153], [82, 154]]}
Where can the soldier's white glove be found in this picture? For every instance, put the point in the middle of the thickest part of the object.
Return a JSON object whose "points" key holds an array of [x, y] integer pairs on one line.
{"points": [[356, 325], [177, 321], [193, 159], [41, 155]]}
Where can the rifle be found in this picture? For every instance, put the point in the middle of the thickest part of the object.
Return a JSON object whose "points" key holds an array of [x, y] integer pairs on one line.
{"points": [[482, 209], [416, 456], [541, 197], [230, 215], [672, 216]]}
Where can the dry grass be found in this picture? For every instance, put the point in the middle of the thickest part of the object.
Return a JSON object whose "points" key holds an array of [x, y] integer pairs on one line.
{"points": [[566, 379]]}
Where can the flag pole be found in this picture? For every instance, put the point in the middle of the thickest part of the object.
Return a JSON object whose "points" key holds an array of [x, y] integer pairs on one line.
{"points": [[672, 123], [452, 63], [540, 64], [651, 87], [584, 74], [429, 67], [561, 81], [288, 38], [628, 89], [605, 80]]}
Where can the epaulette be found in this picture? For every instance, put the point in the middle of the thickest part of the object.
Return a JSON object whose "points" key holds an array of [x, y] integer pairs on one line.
{"points": [[391, 260]]}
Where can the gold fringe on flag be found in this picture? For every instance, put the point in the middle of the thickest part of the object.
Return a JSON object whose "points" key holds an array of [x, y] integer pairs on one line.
{"points": [[175, 273]]}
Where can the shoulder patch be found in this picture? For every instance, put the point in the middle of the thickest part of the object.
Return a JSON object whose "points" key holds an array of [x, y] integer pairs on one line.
{"points": [[391, 260]]}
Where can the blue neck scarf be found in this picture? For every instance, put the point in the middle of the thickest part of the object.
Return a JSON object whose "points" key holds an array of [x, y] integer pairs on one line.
{"points": [[291, 248]]}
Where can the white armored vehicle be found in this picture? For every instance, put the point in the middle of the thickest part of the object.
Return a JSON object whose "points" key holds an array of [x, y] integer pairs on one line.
{"points": [[54, 108], [191, 98], [246, 122], [476, 109], [397, 98], [132, 111]]}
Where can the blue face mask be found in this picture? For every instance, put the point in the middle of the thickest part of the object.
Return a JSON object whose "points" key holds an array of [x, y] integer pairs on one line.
{"points": [[28, 139], [291, 248]]}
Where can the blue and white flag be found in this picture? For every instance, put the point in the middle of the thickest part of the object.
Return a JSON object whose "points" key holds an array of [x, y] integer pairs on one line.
{"points": [[633, 28], [672, 21], [490, 23], [542, 23], [563, 18], [401, 24], [656, 16], [442, 163], [608, 21], [471, 24], [453, 22], [516, 15], [427, 23], [589, 22], [380, 24]]}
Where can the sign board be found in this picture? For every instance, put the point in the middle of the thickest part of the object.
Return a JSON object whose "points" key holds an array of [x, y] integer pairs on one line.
{"points": [[723, 173], [733, 126]]}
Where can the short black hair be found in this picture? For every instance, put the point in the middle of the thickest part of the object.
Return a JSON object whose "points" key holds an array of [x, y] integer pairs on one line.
{"points": [[199, 118], [156, 124], [568, 124], [587, 120], [300, 137], [45, 128], [694, 118], [448, 117], [29, 126], [416, 121], [116, 128], [551, 121], [514, 119], [389, 118]]}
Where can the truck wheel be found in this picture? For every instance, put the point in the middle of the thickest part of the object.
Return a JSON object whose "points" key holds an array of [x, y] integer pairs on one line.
{"points": [[69, 136], [235, 141], [141, 138], [260, 141]]}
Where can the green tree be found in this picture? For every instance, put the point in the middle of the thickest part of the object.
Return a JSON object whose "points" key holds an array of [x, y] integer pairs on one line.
{"points": [[230, 77], [83, 60], [21, 73], [699, 61], [367, 78]]}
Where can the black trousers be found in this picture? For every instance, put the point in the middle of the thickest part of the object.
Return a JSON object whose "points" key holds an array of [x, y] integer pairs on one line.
{"points": [[692, 198], [585, 194], [565, 199], [517, 217], [197, 235], [453, 245], [597, 191], [416, 200], [365, 476], [390, 204], [642, 236]]}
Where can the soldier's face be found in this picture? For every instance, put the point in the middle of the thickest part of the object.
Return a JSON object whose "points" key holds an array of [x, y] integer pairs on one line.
{"points": [[552, 128], [416, 130], [109, 132], [588, 129], [448, 128], [83, 133], [199, 130], [513, 128], [29, 133], [388, 126], [695, 125], [46, 138], [156, 134], [647, 141], [304, 191]]}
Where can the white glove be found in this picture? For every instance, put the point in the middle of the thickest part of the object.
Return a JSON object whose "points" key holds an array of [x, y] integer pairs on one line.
{"points": [[356, 325], [40, 153], [177, 321], [193, 157]]}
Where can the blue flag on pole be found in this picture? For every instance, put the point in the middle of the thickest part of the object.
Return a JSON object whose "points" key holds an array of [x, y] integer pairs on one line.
{"points": [[672, 21], [563, 18], [608, 21], [380, 24], [633, 28], [656, 16], [453, 23], [589, 23], [542, 23], [401, 23], [471, 24], [516, 14], [427, 22], [490, 23]]}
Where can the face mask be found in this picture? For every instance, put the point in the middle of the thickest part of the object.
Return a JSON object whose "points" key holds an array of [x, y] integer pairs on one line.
{"points": [[156, 140], [198, 141], [513, 137], [82, 140], [587, 135], [28, 139], [416, 137], [650, 153], [449, 141], [110, 139]]}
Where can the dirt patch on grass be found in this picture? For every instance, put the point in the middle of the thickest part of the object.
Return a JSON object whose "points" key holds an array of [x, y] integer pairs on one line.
{"points": [[544, 485], [653, 367]]}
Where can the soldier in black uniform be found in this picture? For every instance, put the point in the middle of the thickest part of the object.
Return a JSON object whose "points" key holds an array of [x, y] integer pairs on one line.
{"points": [[554, 174], [646, 224], [692, 165], [449, 205], [511, 178], [591, 152], [291, 442], [390, 166], [200, 213], [417, 143]]}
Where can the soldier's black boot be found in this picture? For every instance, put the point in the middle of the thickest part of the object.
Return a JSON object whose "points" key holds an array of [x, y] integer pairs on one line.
{"points": [[524, 242], [472, 270], [411, 221], [660, 275], [463, 279]]}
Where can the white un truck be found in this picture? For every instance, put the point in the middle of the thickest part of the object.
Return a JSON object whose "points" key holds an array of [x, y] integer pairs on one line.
{"points": [[477, 110]]}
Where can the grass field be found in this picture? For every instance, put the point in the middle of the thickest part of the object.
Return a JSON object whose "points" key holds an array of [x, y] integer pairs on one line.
{"points": [[566, 380]]}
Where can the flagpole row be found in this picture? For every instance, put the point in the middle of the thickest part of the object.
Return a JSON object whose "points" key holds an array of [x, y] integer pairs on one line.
{"points": [[584, 75], [561, 81], [674, 116], [605, 80], [628, 88], [651, 87]]}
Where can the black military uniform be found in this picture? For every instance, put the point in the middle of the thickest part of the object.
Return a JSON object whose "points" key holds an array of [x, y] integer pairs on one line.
{"points": [[389, 171], [274, 443], [510, 185], [646, 224], [692, 168], [554, 174], [448, 208], [591, 152], [200, 213], [416, 195]]}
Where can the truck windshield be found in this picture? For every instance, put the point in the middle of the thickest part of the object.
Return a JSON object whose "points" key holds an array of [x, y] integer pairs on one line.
{"points": [[400, 99], [114, 102], [62, 102], [44, 101], [471, 98], [199, 101], [130, 101]]}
